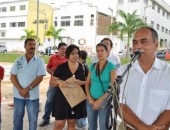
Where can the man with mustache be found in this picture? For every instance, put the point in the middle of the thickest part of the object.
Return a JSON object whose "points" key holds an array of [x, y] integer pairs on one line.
{"points": [[145, 91], [26, 75]]}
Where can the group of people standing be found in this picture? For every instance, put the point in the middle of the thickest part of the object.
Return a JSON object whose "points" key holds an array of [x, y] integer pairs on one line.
{"points": [[144, 94]]}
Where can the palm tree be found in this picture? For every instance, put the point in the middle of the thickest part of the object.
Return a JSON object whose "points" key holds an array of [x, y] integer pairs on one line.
{"points": [[29, 34], [54, 33], [130, 23]]}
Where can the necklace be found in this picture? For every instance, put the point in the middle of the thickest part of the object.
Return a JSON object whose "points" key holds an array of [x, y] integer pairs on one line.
{"points": [[98, 72]]}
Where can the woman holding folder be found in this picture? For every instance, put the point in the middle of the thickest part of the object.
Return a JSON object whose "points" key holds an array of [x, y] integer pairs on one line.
{"points": [[67, 76]]}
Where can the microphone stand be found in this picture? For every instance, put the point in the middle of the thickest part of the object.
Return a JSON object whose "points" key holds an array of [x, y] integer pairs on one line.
{"points": [[119, 80]]}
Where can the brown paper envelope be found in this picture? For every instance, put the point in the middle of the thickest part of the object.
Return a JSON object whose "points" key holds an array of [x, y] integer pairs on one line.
{"points": [[73, 95]]}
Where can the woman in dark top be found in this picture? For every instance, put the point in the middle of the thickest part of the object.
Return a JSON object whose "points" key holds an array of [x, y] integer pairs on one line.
{"points": [[61, 109]]}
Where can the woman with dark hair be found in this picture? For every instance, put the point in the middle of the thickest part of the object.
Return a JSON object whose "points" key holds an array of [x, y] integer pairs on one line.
{"points": [[61, 108], [101, 75]]}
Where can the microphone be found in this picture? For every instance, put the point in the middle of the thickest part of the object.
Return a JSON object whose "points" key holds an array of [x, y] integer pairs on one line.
{"points": [[136, 55]]}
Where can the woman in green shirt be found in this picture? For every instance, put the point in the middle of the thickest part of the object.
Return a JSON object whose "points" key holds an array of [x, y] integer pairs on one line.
{"points": [[101, 75]]}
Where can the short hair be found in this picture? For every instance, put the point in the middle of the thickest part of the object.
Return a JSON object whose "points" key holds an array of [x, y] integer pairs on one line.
{"points": [[103, 45], [153, 31], [83, 54], [28, 39], [111, 43], [61, 44], [70, 48]]}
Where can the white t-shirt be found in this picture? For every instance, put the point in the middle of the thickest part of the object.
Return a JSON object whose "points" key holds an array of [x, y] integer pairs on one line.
{"points": [[147, 94], [112, 58]]}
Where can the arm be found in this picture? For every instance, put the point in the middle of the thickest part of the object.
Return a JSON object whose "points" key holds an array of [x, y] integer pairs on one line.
{"points": [[130, 118], [15, 82], [163, 119], [49, 70], [87, 88], [56, 82], [100, 100]]}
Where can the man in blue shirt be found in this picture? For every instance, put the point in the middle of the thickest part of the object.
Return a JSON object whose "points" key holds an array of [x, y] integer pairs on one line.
{"points": [[26, 75]]}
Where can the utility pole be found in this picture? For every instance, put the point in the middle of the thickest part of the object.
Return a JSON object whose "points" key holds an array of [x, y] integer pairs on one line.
{"points": [[37, 42], [111, 21]]}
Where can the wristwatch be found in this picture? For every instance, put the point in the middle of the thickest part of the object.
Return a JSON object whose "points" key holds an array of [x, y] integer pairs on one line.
{"points": [[30, 87]]}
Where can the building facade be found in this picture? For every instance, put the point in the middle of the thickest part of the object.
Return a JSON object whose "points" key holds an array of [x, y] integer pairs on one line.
{"points": [[83, 24], [155, 13], [17, 15]]}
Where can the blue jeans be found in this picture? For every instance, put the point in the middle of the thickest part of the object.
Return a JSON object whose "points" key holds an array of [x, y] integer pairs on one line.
{"points": [[49, 103], [81, 122], [19, 111], [93, 117]]}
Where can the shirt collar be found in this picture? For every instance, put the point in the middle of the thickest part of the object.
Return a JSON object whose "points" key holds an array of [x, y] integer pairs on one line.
{"points": [[33, 58], [156, 65]]}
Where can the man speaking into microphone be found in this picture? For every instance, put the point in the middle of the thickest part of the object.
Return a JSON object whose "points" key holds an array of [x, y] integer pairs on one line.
{"points": [[145, 90]]}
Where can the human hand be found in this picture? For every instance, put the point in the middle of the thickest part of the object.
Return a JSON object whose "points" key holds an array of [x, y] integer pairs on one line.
{"points": [[97, 104], [91, 100], [79, 82], [62, 83], [24, 92], [155, 127]]}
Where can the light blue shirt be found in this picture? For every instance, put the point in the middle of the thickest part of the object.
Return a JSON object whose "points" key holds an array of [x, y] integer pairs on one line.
{"points": [[26, 73]]}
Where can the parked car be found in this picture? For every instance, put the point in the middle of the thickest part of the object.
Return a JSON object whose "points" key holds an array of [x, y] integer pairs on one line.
{"points": [[48, 50], [163, 54], [3, 48]]}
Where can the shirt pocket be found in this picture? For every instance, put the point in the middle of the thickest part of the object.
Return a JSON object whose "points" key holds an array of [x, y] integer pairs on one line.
{"points": [[158, 100]]}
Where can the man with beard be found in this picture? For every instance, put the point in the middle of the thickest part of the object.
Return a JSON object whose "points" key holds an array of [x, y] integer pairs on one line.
{"points": [[26, 75]]}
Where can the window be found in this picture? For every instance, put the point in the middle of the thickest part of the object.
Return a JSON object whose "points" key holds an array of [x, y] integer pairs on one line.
{"points": [[158, 10], [56, 17], [146, 1], [163, 13], [55, 23], [169, 32], [162, 29], [65, 23], [166, 31], [92, 20], [13, 24], [12, 8], [21, 24], [65, 17], [120, 1], [2, 34], [152, 24], [153, 6], [157, 26], [65, 20], [78, 20], [22, 7], [3, 25], [3, 9], [131, 1]]}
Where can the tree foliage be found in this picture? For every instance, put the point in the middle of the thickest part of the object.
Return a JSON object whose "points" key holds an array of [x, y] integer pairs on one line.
{"points": [[130, 22], [29, 34], [55, 33]]}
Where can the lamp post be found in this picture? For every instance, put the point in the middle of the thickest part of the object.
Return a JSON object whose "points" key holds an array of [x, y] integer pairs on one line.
{"points": [[45, 23], [37, 26], [111, 17], [52, 13]]}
